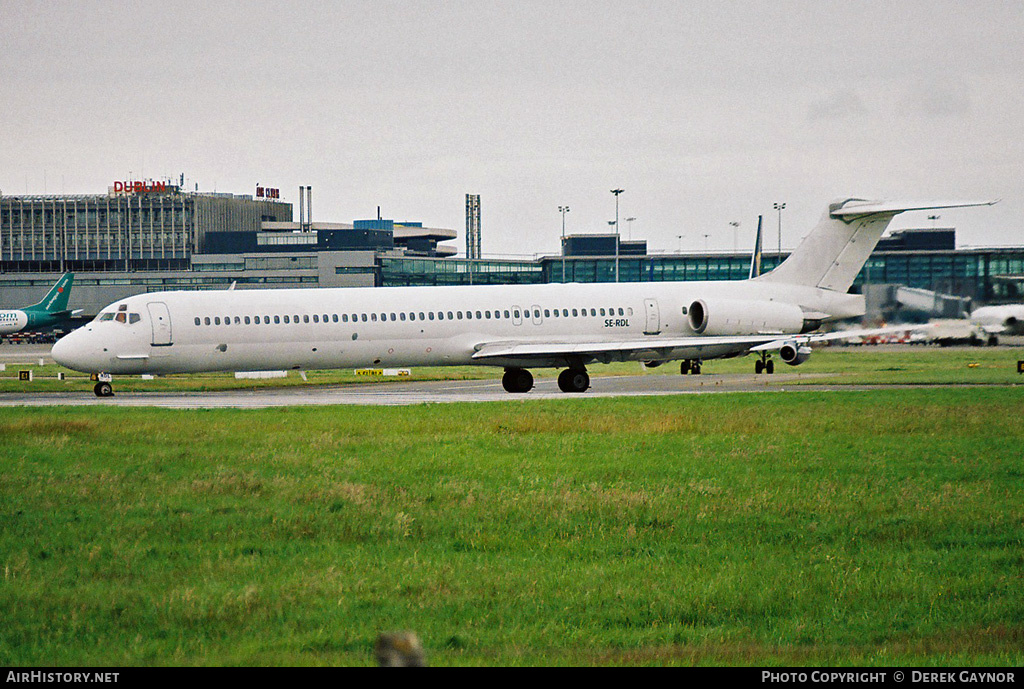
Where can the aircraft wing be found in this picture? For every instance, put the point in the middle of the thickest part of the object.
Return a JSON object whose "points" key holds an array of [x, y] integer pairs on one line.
{"points": [[634, 349], [662, 348]]}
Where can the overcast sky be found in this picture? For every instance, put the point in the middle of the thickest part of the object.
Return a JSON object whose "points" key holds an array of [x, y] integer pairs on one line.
{"points": [[706, 113]]}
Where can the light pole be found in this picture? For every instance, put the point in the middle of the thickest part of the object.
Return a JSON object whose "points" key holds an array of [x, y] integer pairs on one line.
{"points": [[706, 235], [735, 236], [563, 210], [680, 238], [779, 207], [629, 224], [617, 192]]}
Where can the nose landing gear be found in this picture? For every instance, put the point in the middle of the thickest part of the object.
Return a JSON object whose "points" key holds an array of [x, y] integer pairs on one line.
{"points": [[764, 364], [103, 388]]}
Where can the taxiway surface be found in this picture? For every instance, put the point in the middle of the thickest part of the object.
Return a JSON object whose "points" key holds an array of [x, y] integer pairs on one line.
{"points": [[404, 393]]}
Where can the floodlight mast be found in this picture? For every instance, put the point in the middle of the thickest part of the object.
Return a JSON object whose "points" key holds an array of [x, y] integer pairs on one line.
{"points": [[617, 192], [779, 207], [563, 210]]}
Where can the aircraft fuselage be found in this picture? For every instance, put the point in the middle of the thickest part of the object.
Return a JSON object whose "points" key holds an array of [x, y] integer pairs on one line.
{"points": [[174, 332]]}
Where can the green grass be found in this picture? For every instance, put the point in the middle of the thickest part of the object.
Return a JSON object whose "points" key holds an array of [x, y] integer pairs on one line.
{"points": [[813, 528]]}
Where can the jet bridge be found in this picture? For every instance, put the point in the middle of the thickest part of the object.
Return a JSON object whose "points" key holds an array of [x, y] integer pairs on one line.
{"points": [[898, 302]]}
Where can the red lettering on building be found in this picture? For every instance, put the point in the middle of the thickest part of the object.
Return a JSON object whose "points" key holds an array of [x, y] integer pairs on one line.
{"points": [[139, 187]]}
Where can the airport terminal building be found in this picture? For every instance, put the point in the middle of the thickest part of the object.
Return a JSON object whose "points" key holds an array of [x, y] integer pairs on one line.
{"points": [[150, 236], [147, 237]]}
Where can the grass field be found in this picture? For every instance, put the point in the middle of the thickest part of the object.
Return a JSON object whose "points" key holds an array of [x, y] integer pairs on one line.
{"points": [[813, 528]]}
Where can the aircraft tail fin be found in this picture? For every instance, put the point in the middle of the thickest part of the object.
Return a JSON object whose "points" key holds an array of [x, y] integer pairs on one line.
{"points": [[838, 247], [755, 258], [56, 300]]}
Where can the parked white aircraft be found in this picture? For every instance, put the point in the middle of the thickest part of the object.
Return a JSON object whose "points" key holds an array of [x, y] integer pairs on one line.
{"points": [[514, 326], [1007, 319]]}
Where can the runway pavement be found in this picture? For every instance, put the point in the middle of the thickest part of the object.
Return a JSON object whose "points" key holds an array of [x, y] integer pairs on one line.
{"points": [[405, 393], [408, 392], [386, 393]]}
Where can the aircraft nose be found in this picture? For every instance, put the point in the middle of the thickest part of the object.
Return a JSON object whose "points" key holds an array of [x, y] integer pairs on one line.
{"points": [[66, 353]]}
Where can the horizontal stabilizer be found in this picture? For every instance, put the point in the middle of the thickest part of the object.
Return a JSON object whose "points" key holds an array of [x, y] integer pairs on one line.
{"points": [[855, 207], [838, 247]]}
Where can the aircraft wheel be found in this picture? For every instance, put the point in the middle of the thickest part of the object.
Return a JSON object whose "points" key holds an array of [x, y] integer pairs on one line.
{"points": [[684, 367], [769, 367], [573, 380], [695, 368], [517, 380], [103, 390], [758, 367]]}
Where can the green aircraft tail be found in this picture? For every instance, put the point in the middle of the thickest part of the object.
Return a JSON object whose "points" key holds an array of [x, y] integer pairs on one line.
{"points": [[56, 300]]}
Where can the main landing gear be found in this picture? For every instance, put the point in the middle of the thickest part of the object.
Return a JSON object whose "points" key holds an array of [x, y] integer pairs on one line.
{"points": [[517, 380], [764, 364], [690, 366], [569, 380], [573, 380]]}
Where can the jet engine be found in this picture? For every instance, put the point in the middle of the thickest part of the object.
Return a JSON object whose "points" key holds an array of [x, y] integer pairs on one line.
{"points": [[738, 317], [794, 354]]}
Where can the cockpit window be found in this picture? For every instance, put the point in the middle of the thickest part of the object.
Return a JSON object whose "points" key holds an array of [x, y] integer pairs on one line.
{"points": [[120, 316]]}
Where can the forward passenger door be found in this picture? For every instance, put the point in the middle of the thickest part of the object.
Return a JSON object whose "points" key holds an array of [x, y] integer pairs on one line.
{"points": [[160, 319]]}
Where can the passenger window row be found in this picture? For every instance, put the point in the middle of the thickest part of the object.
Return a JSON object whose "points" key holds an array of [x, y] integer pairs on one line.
{"points": [[412, 316]]}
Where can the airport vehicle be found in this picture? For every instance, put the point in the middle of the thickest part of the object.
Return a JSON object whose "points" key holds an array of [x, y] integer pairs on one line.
{"points": [[950, 332], [517, 327], [1007, 319], [51, 311]]}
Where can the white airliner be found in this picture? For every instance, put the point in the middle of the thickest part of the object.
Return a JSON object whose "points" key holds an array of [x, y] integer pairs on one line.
{"points": [[1007, 319], [517, 327]]}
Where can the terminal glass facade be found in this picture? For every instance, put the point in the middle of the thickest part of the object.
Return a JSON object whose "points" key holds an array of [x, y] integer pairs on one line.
{"points": [[452, 271], [665, 268], [981, 274]]}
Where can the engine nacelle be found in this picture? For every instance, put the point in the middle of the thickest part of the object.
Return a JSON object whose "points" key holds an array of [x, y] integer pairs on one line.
{"points": [[739, 317], [794, 354]]}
